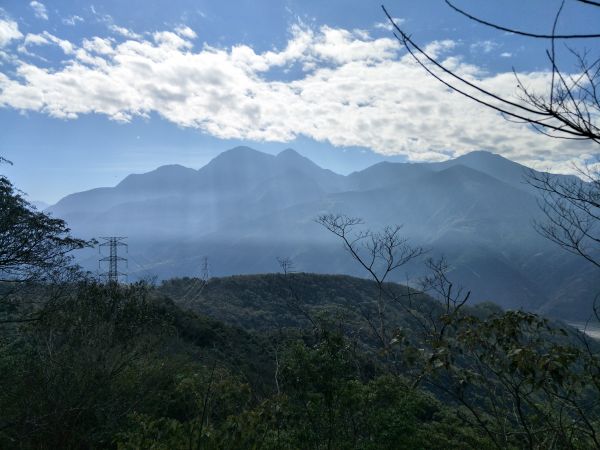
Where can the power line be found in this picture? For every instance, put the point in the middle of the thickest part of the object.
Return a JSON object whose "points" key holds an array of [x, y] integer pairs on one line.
{"points": [[113, 243], [196, 284], [149, 276]]}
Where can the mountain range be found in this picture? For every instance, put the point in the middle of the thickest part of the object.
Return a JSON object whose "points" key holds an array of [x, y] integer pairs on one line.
{"points": [[246, 208]]}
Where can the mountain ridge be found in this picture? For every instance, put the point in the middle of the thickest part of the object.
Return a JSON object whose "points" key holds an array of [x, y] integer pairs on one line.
{"points": [[245, 208]]}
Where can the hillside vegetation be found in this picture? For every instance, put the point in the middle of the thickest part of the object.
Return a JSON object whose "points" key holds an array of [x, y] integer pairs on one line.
{"points": [[182, 364]]}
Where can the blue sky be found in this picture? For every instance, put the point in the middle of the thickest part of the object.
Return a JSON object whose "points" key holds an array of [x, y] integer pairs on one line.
{"points": [[90, 92]]}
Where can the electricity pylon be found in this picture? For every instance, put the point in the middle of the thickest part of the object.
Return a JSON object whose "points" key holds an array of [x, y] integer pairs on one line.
{"points": [[113, 242], [205, 272]]}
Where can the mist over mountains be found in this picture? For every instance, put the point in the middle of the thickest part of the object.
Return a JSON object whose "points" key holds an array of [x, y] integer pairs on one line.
{"points": [[245, 208]]}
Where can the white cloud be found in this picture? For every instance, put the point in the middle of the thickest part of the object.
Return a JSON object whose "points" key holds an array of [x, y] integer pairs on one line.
{"points": [[387, 25], [506, 55], [123, 32], [484, 46], [186, 32], [9, 30], [72, 20], [39, 9], [98, 45], [108, 20], [171, 40], [46, 38], [35, 39], [355, 91], [436, 48], [342, 46]]}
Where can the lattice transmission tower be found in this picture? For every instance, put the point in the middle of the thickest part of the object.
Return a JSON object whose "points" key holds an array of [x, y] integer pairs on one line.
{"points": [[113, 243], [205, 275]]}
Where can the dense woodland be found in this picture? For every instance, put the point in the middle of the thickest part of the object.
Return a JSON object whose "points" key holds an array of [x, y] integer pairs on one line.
{"points": [[274, 361]]}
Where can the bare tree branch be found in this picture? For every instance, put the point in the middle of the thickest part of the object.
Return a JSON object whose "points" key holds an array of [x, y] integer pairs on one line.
{"points": [[526, 33]]}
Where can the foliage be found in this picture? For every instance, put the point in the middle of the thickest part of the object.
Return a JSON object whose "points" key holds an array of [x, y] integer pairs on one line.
{"points": [[81, 365], [322, 405], [33, 245], [35, 256], [115, 366]]}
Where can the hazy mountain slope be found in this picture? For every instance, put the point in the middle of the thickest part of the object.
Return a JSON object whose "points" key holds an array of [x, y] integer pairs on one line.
{"points": [[491, 164], [510, 172], [454, 212], [186, 201], [245, 208], [386, 174]]}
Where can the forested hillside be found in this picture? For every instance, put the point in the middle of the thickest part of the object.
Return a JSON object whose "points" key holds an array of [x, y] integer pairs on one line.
{"points": [[126, 367]]}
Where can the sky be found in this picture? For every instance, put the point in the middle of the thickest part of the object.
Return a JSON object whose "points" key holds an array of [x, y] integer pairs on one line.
{"points": [[93, 91]]}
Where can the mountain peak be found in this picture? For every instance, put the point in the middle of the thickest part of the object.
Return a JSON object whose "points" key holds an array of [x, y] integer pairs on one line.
{"points": [[292, 157], [171, 168], [483, 155], [491, 164], [241, 151], [289, 153], [239, 156], [485, 158], [162, 177]]}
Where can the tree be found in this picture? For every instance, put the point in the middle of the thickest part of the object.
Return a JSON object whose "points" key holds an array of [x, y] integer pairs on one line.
{"points": [[34, 256], [70, 378], [569, 109], [380, 254], [33, 245], [572, 210], [513, 376]]}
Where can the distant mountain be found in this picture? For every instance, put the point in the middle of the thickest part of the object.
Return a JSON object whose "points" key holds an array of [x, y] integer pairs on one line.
{"points": [[245, 208], [39, 205], [503, 169]]}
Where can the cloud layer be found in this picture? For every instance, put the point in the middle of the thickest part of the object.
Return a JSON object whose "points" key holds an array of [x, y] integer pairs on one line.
{"points": [[9, 30], [39, 10], [329, 84]]}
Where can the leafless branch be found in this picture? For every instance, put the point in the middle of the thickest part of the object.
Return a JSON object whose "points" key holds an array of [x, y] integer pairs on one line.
{"points": [[526, 33]]}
